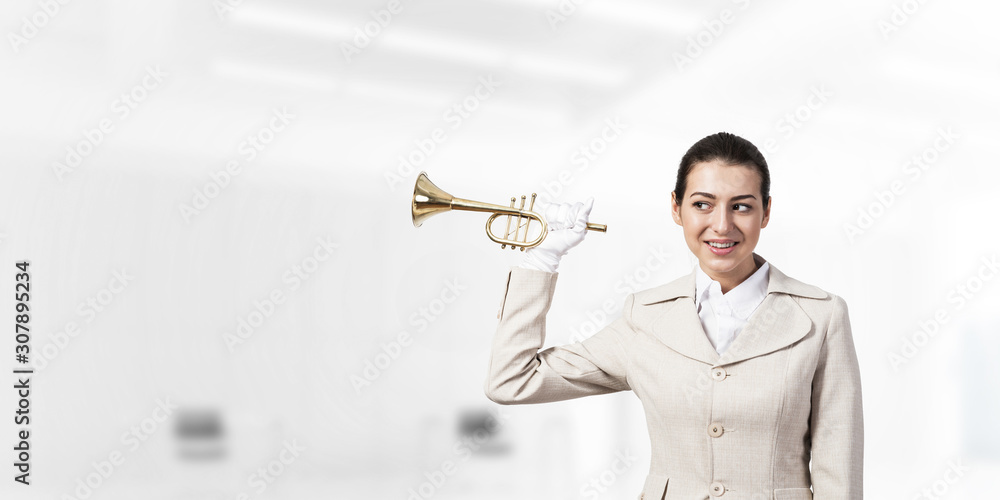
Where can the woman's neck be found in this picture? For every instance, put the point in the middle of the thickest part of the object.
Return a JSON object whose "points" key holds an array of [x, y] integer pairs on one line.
{"points": [[733, 278]]}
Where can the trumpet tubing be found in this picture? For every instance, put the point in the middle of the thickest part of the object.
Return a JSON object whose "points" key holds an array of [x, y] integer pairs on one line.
{"points": [[429, 200]]}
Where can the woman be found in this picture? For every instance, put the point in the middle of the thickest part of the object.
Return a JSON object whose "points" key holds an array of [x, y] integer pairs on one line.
{"points": [[746, 375]]}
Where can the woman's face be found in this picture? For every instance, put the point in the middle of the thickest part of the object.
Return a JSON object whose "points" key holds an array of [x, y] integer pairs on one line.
{"points": [[722, 207]]}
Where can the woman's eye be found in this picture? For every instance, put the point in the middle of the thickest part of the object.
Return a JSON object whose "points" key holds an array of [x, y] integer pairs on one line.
{"points": [[699, 204], [741, 207]]}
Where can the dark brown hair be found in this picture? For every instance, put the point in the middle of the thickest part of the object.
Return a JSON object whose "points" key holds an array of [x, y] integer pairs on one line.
{"points": [[730, 149]]}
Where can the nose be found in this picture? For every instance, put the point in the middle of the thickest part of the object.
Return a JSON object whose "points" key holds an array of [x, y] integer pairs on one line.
{"points": [[722, 222]]}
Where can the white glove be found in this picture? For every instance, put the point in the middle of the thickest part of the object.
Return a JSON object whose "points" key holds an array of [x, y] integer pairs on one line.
{"points": [[567, 228]]}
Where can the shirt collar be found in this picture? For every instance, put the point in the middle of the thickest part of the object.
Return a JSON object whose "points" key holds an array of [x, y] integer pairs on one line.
{"points": [[684, 286], [747, 294]]}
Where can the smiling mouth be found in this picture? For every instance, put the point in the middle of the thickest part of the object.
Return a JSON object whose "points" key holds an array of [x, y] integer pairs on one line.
{"points": [[722, 245]]}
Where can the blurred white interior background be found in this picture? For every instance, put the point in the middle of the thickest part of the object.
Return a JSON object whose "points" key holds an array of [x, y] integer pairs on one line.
{"points": [[229, 300]]}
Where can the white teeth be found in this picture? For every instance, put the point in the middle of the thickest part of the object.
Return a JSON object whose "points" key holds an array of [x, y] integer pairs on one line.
{"points": [[721, 245]]}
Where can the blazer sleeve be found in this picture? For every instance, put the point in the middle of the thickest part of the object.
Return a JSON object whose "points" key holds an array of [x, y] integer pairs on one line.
{"points": [[837, 420], [519, 372]]}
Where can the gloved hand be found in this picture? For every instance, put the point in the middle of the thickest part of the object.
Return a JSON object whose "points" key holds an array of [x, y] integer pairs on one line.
{"points": [[567, 228]]}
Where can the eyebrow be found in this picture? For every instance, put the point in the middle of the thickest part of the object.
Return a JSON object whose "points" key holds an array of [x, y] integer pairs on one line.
{"points": [[734, 198]]}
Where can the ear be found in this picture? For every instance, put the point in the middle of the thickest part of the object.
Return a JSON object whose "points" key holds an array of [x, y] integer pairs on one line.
{"points": [[675, 208], [767, 213]]}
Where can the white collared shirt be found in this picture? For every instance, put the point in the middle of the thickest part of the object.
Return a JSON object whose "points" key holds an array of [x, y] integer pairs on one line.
{"points": [[725, 315]]}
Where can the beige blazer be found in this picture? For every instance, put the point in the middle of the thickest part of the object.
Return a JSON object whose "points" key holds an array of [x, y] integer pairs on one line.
{"points": [[740, 426]]}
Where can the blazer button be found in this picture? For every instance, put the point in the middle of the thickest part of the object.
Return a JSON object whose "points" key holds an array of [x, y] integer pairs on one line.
{"points": [[715, 430], [716, 489], [719, 373]]}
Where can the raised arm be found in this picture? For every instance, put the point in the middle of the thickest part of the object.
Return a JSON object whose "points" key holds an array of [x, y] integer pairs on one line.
{"points": [[519, 373], [837, 420]]}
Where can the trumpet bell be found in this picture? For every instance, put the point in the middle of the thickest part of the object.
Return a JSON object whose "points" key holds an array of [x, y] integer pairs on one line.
{"points": [[428, 200]]}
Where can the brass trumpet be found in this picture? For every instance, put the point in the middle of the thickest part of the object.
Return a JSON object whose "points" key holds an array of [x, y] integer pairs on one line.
{"points": [[429, 200]]}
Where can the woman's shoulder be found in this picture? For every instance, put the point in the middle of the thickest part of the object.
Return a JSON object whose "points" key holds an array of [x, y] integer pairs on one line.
{"points": [[818, 303], [778, 281]]}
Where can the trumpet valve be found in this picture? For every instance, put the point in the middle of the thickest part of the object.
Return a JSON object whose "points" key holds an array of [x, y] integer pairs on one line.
{"points": [[527, 224], [517, 231], [506, 232]]}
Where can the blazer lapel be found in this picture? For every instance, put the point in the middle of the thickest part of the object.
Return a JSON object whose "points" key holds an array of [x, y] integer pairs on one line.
{"points": [[777, 322], [668, 313]]}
